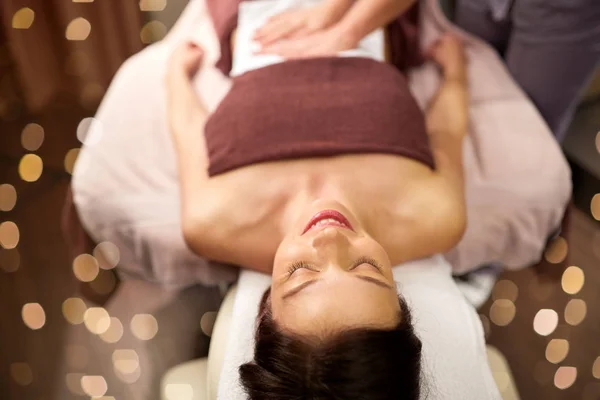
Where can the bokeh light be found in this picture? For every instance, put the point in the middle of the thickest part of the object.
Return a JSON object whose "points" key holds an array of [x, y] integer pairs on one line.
{"points": [[107, 254], [94, 385], [179, 391], [572, 280], [502, 312], [144, 326], [595, 207], [557, 251], [23, 19], [575, 312], [596, 368], [31, 167], [545, 322], [557, 350], [32, 137], [76, 356], [8, 197], [9, 235], [33, 315], [152, 32], [153, 5], [9, 260], [114, 332], [89, 131], [78, 29], [85, 267], [70, 159], [207, 322], [505, 289], [125, 361], [97, 320], [21, 373], [73, 310], [565, 377], [73, 382]]}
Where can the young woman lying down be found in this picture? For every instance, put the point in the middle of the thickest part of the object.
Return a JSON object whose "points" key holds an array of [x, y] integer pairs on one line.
{"points": [[323, 172]]}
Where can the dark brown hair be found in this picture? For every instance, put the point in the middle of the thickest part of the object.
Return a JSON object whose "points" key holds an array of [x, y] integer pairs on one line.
{"points": [[356, 364]]}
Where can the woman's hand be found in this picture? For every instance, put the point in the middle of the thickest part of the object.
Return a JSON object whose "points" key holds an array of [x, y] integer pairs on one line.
{"points": [[302, 21], [320, 44], [185, 111]]}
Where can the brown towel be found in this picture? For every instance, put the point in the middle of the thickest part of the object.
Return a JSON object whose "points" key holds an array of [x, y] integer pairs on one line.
{"points": [[316, 108]]}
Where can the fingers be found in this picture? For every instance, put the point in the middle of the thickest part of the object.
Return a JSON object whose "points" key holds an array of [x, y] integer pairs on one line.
{"points": [[278, 28], [186, 59]]}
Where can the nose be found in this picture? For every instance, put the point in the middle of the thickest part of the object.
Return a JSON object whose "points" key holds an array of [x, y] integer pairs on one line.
{"points": [[332, 246]]}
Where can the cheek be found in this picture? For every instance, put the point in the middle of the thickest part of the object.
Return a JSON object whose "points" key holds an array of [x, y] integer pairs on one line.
{"points": [[288, 252]]}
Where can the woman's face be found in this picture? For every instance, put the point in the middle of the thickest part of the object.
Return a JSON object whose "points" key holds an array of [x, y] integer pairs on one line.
{"points": [[330, 274]]}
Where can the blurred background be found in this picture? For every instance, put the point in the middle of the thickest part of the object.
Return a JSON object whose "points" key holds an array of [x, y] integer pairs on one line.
{"points": [[57, 58]]}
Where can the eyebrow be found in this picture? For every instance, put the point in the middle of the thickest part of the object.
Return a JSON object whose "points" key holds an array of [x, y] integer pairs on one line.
{"points": [[306, 284]]}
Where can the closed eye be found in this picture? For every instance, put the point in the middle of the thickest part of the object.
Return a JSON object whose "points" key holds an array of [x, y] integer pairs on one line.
{"points": [[366, 260]]}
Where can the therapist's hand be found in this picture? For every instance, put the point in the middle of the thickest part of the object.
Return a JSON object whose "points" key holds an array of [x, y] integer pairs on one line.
{"points": [[301, 22], [320, 44]]}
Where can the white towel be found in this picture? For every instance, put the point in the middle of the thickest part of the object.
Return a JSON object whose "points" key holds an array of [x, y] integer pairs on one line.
{"points": [[254, 14], [454, 356]]}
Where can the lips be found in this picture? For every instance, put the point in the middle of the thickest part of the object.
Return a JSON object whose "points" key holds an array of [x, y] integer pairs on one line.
{"points": [[328, 218]]}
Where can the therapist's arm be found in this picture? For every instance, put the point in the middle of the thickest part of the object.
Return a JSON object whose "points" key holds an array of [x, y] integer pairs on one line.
{"points": [[365, 16]]}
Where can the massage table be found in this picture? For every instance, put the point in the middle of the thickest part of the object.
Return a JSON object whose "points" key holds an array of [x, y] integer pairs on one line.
{"points": [[125, 183]]}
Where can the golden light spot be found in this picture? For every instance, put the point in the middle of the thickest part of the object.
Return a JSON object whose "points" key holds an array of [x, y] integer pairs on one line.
{"points": [[70, 160], [9, 235], [207, 322], [153, 5], [32, 137], [485, 322], [31, 167], [91, 94], [8, 197], [505, 289], [595, 207], [545, 322], [152, 32], [85, 267], [598, 142], [502, 312], [572, 280], [33, 316], [107, 254], [21, 373], [565, 377], [125, 361], [179, 391], [89, 131], [596, 368], [78, 63], [129, 378], [144, 326], [78, 29], [9, 260], [557, 350], [73, 381], [575, 312], [76, 356], [540, 289], [114, 332], [104, 398], [557, 251], [23, 19], [83, 1], [97, 320], [104, 283], [94, 385], [542, 372], [73, 310]]}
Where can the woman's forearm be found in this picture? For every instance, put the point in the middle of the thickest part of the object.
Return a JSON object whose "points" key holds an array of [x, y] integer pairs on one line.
{"points": [[365, 16]]}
